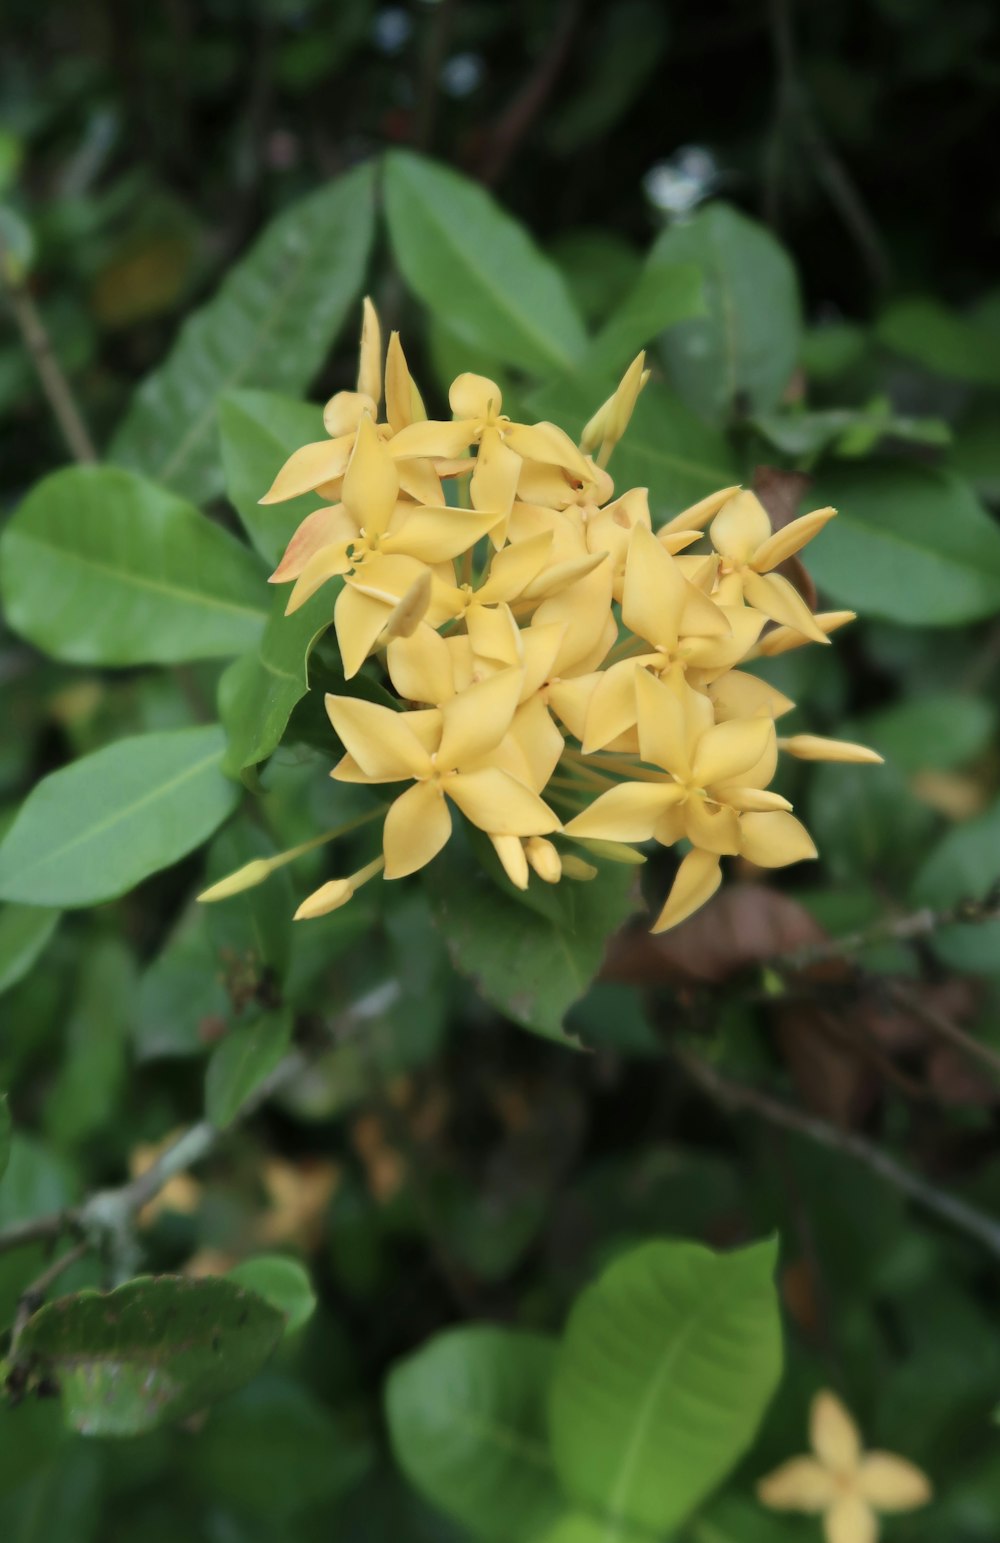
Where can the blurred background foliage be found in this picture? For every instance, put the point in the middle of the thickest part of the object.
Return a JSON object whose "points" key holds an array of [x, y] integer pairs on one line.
{"points": [[827, 166]]}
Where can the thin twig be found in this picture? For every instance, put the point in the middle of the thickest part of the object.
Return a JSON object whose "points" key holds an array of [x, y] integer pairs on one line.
{"points": [[54, 383], [33, 1296], [520, 113], [911, 1001], [736, 1096], [893, 929]]}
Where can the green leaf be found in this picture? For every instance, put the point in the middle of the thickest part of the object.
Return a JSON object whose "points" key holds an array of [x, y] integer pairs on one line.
{"points": [[666, 448], [467, 1422], [259, 691], [273, 1450], [253, 928], [30, 1436], [740, 355], [663, 295], [931, 732], [182, 999], [928, 333], [61, 1504], [847, 431], [36, 1183], [83, 1099], [965, 865], [6, 1127], [258, 432], [247, 1055], [579, 1527], [270, 325], [99, 566], [24, 932], [475, 266], [151, 1352], [531, 966], [910, 543], [281, 1281], [666, 1367], [100, 826]]}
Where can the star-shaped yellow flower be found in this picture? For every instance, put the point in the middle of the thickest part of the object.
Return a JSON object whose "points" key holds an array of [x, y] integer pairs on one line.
{"points": [[845, 1485], [749, 550]]}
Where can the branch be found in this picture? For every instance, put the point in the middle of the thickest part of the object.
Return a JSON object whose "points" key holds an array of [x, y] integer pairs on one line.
{"points": [[54, 383], [893, 929], [736, 1097]]}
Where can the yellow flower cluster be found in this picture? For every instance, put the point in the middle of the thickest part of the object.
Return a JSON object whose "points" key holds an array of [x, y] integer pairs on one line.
{"points": [[565, 670]]}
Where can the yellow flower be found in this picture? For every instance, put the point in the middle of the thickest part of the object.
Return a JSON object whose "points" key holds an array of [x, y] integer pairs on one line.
{"points": [[846, 1486], [741, 534], [453, 752]]}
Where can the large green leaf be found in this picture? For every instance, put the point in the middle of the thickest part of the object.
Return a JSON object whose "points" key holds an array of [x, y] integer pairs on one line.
{"points": [[100, 566], [98, 827], [475, 266], [89, 1080], [532, 964], [151, 1352], [965, 865], [666, 448], [247, 1055], [666, 1367], [928, 333], [258, 431], [938, 732], [741, 354], [910, 543], [259, 691], [467, 1421], [270, 325], [24, 932], [663, 295]]}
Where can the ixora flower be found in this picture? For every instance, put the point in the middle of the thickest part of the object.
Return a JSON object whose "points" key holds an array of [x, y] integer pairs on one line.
{"points": [[843, 1484], [562, 667]]}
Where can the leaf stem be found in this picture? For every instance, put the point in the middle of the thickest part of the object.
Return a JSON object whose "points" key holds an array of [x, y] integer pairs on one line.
{"points": [[54, 383]]}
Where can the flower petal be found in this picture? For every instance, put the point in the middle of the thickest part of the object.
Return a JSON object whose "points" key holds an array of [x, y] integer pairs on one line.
{"points": [[309, 467], [437, 535], [513, 568], [476, 721], [474, 396], [772, 595], [345, 410], [696, 881], [547, 443], [420, 666], [712, 827], [510, 850], [432, 438], [698, 515], [832, 1433], [890, 1483], [329, 526], [370, 352], [326, 564], [738, 694], [801, 1484], [850, 1520], [663, 727], [787, 541], [403, 405], [724, 753], [775, 840], [358, 620], [371, 483], [499, 804], [378, 739], [784, 638], [814, 747], [655, 591], [494, 480], [416, 828], [628, 812], [584, 610], [740, 527]]}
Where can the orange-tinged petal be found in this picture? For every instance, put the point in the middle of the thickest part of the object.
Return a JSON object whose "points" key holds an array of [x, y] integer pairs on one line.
{"points": [[330, 526], [740, 527], [499, 804], [433, 438], [889, 1483], [775, 840], [772, 594], [475, 722], [370, 353], [628, 812], [724, 753], [378, 739], [655, 591], [784, 638], [510, 850], [474, 396], [328, 563], [309, 467], [790, 539], [697, 516], [850, 1520], [833, 1434], [696, 881], [420, 666], [814, 747], [358, 620], [371, 482], [417, 826], [801, 1484]]}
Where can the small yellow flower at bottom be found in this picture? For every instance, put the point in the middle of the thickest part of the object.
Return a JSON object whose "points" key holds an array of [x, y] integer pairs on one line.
{"points": [[842, 1483]]}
